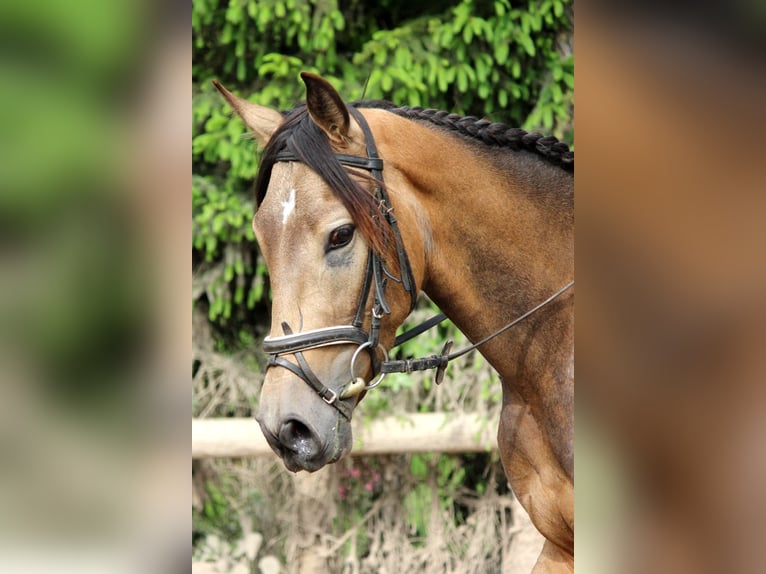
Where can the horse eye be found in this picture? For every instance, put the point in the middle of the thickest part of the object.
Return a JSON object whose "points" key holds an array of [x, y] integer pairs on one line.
{"points": [[340, 237]]}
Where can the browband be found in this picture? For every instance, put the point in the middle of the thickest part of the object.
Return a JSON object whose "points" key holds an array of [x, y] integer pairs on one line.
{"points": [[368, 163]]}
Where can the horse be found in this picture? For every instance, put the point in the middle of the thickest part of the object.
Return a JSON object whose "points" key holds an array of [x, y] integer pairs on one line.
{"points": [[478, 216]]}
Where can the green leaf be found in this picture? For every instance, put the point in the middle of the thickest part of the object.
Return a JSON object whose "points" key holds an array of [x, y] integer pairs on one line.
{"points": [[556, 93], [547, 117], [502, 98], [418, 466], [226, 34], [442, 79], [528, 45], [516, 69], [501, 53], [462, 80], [467, 34]]}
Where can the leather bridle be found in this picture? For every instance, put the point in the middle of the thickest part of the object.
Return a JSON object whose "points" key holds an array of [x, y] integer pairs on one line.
{"points": [[375, 280], [376, 277]]}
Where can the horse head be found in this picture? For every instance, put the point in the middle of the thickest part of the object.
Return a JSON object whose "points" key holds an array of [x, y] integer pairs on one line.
{"points": [[323, 230]]}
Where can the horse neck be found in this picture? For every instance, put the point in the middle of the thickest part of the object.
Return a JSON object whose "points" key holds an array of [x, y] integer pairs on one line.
{"points": [[497, 233]]}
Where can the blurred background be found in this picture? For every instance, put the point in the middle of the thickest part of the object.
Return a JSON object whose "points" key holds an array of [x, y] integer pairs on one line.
{"points": [[95, 323], [94, 296], [671, 416]]}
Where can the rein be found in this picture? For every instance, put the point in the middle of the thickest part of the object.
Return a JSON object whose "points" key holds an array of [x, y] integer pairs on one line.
{"points": [[376, 277], [440, 362]]}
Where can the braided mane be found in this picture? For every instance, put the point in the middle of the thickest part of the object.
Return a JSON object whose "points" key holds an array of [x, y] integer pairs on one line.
{"points": [[490, 133]]}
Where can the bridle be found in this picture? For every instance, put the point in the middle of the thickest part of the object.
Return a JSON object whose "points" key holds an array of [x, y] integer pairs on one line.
{"points": [[376, 277], [375, 280]]}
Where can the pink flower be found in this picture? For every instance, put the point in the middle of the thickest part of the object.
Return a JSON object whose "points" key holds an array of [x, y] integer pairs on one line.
{"points": [[355, 472], [368, 487]]}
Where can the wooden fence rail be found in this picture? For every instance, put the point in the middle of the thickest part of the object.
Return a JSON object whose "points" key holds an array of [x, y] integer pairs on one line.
{"points": [[415, 433]]}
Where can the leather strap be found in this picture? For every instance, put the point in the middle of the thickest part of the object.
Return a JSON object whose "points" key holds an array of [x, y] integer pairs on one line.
{"points": [[422, 328], [324, 337], [304, 371], [370, 164], [440, 362], [407, 280]]}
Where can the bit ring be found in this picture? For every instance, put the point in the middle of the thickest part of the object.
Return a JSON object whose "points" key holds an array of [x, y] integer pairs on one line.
{"points": [[380, 376]]}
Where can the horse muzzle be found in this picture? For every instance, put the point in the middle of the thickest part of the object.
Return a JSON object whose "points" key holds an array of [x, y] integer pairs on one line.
{"points": [[302, 447]]}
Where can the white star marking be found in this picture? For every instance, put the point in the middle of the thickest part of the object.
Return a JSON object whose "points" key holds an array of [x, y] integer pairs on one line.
{"points": [[288, 206]]}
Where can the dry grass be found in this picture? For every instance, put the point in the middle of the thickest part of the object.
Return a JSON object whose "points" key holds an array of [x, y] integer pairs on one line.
{"points": [[366, 514]]}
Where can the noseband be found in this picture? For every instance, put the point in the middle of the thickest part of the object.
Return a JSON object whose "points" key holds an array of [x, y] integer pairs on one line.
{"points": [[376, 277]]}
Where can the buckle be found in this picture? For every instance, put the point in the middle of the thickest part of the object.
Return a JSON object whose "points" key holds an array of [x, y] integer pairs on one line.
{"points": [[444, 362], [332, 398]]}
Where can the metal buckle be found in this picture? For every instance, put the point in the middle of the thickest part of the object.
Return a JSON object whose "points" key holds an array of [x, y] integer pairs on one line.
{"points": [[439, 376], [332, 399]]}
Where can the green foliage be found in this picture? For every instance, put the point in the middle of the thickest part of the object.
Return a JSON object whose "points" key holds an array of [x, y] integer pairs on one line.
{"points": [[510, 62], [218, 514], [220, 216], [222, 235], [477, 58], [434, 496], [446, 475]]}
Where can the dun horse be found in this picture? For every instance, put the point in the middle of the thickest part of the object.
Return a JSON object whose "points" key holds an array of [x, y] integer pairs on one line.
{"points": [[362, 206]]}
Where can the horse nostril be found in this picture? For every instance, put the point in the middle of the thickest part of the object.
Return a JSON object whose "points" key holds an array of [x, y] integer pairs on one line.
{"points": [[297, 437]]}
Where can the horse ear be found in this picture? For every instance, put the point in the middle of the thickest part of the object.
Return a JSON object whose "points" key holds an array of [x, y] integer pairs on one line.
{"points": [[262, 120], [326, 108]]}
